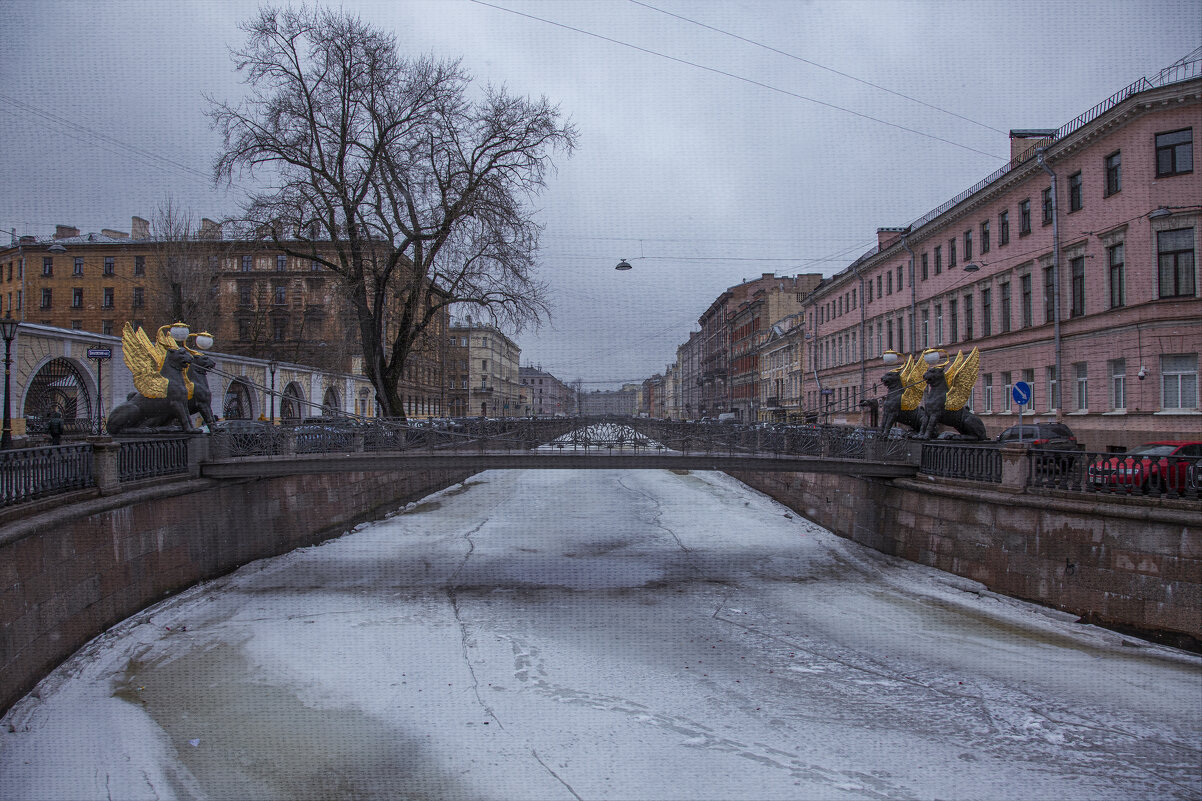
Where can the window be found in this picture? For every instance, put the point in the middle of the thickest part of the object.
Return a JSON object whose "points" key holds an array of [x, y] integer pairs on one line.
{"points": [[1049, 294], [924, 267], [315, 266], [244, 330], [968, 309], [77, 271], [889, 283], [279, 329], [281, 263], [47, 266], [1179, 381], [247, 264], [984, 238], [47, 298], [139, 265], [1003, 228], [889, 334], [953, 320], [926, 328], [951, 254], [1024, 218], [868, 292], [110, 266], [1007, 383], [76, 325], [986, 313], [1114, 260], [244, 294], [1004, 290], [1047, 206], [1118, 384], [938, 259], [1024, 284], [279, 295], [77, 297], [1074, 192], [968, 246], [987, 391], [1113, 165], [938, 323], [1081, 370], [1076, 268], [1174, 153], [1053, 389], [899, 278], [106, 327], [108, 297], [1175, 252], [139, 297]]}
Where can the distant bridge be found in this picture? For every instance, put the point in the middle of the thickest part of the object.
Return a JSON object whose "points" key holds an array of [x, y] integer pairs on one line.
{"points": [[245, 449]]}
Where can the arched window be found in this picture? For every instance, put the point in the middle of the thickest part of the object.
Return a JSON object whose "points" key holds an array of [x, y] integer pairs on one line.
{"points": [[237, 404], [291, 403], [59, 385]]}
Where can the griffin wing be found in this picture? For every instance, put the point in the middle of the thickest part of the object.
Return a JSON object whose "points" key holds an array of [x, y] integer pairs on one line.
{"points": [[143, 361], [911, 376], [961, 381]]}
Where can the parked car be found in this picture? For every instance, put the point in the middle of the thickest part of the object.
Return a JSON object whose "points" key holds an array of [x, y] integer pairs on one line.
{"points": [[1154, 465], [1050, 436]]}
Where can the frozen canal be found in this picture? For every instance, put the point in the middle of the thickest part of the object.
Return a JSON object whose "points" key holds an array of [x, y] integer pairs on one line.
{"points": [[604, 635]]}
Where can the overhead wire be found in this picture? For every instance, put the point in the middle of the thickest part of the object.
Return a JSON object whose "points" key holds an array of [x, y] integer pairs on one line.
{"points": [[816, 64], [738, 77]]}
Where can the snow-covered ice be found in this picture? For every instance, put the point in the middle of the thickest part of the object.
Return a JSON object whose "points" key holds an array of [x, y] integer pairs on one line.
{"points": [[605, 635]]}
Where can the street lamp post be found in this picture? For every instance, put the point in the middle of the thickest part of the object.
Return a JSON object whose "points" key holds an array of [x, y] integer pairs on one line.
{"points": [[271, 365], [8, 327]]}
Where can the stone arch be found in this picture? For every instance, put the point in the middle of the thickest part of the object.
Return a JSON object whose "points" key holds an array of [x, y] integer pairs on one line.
{"points": [[238, 402], [292, 403], [331, 403], [63, 384]]}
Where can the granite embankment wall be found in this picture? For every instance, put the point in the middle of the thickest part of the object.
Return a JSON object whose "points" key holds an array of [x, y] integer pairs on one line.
{"points": [[69, 573], [1123, 562]]}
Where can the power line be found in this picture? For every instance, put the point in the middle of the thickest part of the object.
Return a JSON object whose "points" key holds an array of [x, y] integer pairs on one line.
{"points": [[751, 81], [819, 66]]}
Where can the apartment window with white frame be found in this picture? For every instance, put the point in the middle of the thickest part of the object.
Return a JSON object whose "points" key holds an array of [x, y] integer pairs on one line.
{"points": [[987, 389], [1118, 384], [1053, 390], [1179, 381], [1007, 383], [926, 326], [938, 323], [1081, 369]]}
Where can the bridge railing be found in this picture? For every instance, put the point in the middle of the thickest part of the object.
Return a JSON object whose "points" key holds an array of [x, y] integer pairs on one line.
{"points": [[28, 474], [971, 462], [152, 458]]}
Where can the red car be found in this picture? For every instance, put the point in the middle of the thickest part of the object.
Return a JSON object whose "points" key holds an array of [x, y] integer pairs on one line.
{"points": [[1152, 466]]}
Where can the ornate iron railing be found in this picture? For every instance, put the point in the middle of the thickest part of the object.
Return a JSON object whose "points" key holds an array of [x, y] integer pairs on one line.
{"points": [[27, 474], [1173, 477], [973, 462], [152, 458]]}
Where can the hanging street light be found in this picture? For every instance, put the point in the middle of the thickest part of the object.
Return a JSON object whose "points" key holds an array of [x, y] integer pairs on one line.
{"points": [[624, 265]]}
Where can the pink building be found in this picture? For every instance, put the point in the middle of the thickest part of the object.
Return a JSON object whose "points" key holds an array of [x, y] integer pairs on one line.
{"points": [[1073, 268]]}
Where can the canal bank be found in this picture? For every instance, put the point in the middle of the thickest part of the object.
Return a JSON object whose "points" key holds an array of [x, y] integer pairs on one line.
{"points": [[69, 573]]}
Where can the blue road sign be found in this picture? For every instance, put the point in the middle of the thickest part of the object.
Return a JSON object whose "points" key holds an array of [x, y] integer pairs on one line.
{"points": [[1021, 393]]}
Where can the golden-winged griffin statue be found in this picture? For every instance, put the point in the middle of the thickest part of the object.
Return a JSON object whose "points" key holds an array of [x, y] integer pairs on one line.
{"points": [[942, 400], [171, 381]]}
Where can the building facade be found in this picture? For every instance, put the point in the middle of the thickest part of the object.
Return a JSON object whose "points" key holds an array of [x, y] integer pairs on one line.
{"points": [[546, 395], [494, 380], [1073, 268]]}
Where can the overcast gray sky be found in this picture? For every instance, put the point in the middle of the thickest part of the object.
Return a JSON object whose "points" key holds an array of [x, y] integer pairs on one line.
{"points": [[704, 159]]}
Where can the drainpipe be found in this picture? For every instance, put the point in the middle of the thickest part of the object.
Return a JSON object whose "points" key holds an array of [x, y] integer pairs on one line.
{"points": [[1040, 156], [863, 348], [913, 295]]}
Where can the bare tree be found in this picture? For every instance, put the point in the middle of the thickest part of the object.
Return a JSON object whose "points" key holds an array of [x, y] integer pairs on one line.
{"points": [[182, 273], [412, 185]]}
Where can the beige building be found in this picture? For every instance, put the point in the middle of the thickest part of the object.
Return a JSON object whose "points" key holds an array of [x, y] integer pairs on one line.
{"points": [[781, 358], [493, 374]]}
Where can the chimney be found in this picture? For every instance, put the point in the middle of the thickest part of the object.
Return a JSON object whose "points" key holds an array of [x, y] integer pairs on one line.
{"points": [[209, 229], [65, 232], [887, 237], [139, 228], [109, 232], [1024, 141]]}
